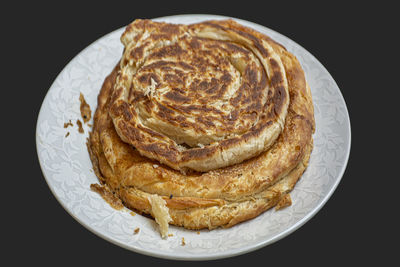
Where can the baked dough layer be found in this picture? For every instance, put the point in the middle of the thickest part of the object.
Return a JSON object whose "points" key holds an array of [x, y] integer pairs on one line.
{"points": [[221, 197], [201, 96]]}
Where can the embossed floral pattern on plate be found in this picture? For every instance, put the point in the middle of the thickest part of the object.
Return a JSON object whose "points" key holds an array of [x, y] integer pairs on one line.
{"points": [[68, 171]]}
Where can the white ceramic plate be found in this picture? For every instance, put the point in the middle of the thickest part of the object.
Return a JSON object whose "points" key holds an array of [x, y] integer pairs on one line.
{"points": [[68, 171]]}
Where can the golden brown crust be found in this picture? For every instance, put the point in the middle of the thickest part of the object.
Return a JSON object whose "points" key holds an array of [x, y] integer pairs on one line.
{"points": [[221, 197], [200, 96], [285, 201]]}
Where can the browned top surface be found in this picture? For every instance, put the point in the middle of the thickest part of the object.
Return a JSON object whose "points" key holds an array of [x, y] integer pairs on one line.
{"points": [[121, 165], [183, 95], [198, 71]]}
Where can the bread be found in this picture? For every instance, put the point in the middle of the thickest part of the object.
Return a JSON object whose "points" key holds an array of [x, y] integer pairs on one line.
{"points": [[220, 197], [198, 97]]}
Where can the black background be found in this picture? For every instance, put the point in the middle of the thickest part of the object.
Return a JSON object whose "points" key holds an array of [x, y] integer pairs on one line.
{"points": [[356, 45]]}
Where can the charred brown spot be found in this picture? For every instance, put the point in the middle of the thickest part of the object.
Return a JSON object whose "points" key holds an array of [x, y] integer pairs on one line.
{"points": [[263, 81], [170, 153], [159, 36], [145, 78], [212, 89], [184, 65], [174, 50], [230, 142], [165, 109], [197, 108], [198, 153], [256, 130], [204, 85], [256, 42], [250, 74], [129, 131], [274, 64], [237, 48], [122, 109], [177, 97], [173, 79], [276, 79], [226, 77], [214, 25], [207, 121], [166, 114], [136, 96], [150, 131], [239, 94], [137, 52], [209, 87], [166, 65], [137, 37], [140, 23], [279, 97], [170, 29], [194, 43], [117, 93], [200, 63], [181, 120]]}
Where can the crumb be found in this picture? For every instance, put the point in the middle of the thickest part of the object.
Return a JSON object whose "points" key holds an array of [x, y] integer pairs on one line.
{"points": [[67, 134], [69, 123], [132, 213], [155, 166], [183, 241], [198, 232], [80, 129], [107, 195], [136, 231], [86, 113], [169, 235]]}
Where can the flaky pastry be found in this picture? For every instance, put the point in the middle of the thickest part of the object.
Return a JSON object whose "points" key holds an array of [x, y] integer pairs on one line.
{"points": [[198, 97], [201, 199]]}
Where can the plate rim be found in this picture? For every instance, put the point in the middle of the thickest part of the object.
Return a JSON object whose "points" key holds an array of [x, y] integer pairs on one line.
{"points": [[218, 255]]}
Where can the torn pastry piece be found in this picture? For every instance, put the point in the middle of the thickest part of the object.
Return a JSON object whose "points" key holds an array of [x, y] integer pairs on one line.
{"points": [[159, 211]]}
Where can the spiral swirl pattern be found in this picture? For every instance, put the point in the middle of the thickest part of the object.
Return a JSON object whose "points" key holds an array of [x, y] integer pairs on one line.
{"points": [[201, 96]]}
